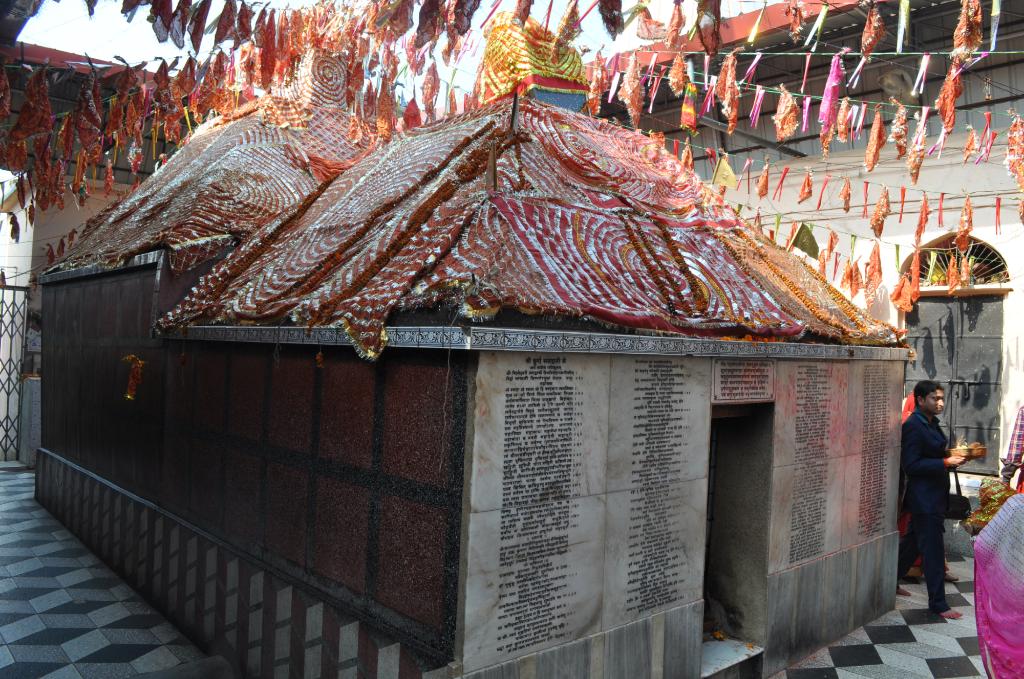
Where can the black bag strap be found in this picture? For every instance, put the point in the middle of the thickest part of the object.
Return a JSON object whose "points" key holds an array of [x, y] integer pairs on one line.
{"points": [[957, 479]]}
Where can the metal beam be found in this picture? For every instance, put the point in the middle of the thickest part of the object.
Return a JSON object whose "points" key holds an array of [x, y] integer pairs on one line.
{"points": [[781, 148]]}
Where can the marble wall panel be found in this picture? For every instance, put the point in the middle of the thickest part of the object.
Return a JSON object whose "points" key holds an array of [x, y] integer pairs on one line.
{"points": [[587, 498], [873, 482], [654, 552], [659, 420], [807, 512], [534, 578], [540, 427], [811, 419]]}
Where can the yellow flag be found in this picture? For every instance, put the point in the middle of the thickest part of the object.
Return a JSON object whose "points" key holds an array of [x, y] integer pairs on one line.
{"points": [[723, 174]]}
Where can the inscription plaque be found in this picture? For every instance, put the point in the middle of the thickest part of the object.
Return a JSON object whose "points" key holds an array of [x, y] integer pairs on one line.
{"points": [[743, 381], [875, 451], [810, 484], [657, 448], [542, 436]]}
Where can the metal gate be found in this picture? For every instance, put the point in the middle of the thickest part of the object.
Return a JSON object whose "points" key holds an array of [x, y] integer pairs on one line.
{"points": [[13, 311], [959, 344]]}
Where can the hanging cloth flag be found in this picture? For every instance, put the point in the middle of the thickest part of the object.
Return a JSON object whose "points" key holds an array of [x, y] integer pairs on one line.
{"points": [[822, 193], [678, 79], [631, 94], [903, 198], [830, 96], [807, 113], [749, 75], [728, 92], [806, 188], [967, 35], [971, 145], [995, 23], [804, 241], [864, 214], [963, 233], [843, 119], [688, 110], [746, 171], [900, 296], [901, 30], [723, 174], [844, 195], [687, 158], [654, 93], [999, 205], [786, 115], [942, 197], [675, 148], [815, 32], [762, 181], [922, 220], [778, 224], [778, 188], [757, 26], [614, 69], [755, 108], [807, 66], [861, 115], [874, 272], [876, 140], [953, 273], [898, 130], [922, 74], [882, 210]]}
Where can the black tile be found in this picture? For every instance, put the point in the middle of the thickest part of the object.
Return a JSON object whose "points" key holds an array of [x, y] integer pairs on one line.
{"points": [[966, 587], [970, 645], [95, 583], [137, 621], [52, 637], [8, 618], [50, 571], [8, 560], [28, 542], [30, 670], [25, 593], [813, 673], [946, 668], [890, 634], [79, 607], [921, 616], [70, 553], [119, 653], [853, 655], [957, 600]]}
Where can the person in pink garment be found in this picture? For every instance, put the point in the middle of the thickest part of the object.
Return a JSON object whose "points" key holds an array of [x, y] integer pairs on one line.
{"points": [[999, 591]]}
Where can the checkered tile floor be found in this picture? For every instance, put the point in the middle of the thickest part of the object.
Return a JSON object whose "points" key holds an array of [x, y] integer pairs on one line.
{"points": [[907, 643], [63, 614]]}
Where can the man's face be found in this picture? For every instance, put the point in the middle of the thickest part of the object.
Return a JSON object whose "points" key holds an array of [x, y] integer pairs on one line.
{"points": [[933, 404]]}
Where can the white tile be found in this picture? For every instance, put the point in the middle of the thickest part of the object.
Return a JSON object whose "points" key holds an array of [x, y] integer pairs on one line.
{"points": [[85, 645], [903, 661], [20, 629], [51, 600], [154, 661], [108, 614]]}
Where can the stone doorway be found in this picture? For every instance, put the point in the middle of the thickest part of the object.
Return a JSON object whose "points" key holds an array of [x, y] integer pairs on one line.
{"points": [[736, 560]]}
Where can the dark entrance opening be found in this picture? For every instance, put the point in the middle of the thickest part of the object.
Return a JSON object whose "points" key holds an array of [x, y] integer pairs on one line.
{"points": [[736, 562], [958, 343]]}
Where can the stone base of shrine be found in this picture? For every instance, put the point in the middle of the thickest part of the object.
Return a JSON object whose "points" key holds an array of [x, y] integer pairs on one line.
{"points": [[264, 623]]}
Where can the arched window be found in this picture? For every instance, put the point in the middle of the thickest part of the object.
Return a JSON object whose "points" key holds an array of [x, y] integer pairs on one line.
{"points": [[984, 265]]}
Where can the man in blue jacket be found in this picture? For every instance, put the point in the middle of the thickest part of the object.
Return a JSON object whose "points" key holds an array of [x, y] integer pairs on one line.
{"points": [[926, 467]]}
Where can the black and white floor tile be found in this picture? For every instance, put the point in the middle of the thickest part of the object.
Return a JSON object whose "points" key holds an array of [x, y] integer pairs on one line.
{"points": [[63, 614], [910, 642]]}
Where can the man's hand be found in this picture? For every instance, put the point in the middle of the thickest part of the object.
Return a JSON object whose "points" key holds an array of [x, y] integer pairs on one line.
{"points": [[954, 461]]}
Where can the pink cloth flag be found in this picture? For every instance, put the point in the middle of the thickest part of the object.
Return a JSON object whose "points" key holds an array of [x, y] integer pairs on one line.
{"points": [[999, 591]]}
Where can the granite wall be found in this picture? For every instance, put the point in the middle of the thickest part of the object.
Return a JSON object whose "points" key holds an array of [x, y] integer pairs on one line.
{"points": [[337, 478]]}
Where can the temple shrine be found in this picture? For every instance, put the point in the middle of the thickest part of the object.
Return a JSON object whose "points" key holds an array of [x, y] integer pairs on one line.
{"points": [[511, 394]]}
